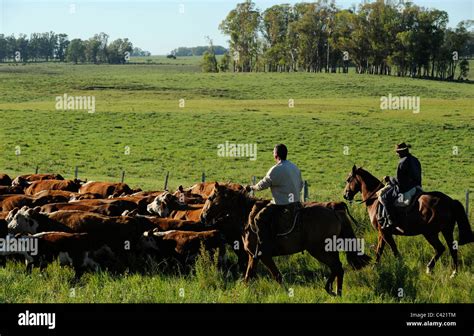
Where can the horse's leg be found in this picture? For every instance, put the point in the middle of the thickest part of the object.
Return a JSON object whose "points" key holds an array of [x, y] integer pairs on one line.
{"points": [[380, 246], [242, 258], [251, 268], [331, 259], [270, 264], [433, 239], [388, 237], [448, 237]]}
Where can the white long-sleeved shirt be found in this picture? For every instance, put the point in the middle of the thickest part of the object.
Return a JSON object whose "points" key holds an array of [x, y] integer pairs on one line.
{"points": [[285, 182]]}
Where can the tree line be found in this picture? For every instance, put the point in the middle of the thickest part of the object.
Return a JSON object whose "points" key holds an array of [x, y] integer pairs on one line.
{"points": [[57, 47], [382, 37], [197, 51]]}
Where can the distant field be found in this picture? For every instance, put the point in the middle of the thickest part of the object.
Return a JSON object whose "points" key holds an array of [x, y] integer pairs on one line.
{"points": [[138, 106]]}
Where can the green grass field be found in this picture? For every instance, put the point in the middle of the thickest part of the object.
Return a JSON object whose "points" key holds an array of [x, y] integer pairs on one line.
{"points": [[138, 106]]}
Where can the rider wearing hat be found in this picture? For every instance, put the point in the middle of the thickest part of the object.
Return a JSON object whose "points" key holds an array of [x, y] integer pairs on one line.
{"points": [[408, 177]]}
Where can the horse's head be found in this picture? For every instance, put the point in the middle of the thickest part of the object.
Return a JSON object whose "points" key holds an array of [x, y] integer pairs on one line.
{"points": [[352, 185], [220, 204]]}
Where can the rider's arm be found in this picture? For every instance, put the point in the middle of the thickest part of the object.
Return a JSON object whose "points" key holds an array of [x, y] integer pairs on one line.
{"points": [[266, 182]]}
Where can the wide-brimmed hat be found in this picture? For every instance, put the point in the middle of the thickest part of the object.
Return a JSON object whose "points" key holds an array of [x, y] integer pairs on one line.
{"points": [[402, 147]]}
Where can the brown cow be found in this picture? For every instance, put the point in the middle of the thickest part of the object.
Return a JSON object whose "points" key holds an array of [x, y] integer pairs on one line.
{"points": [[116, 231], [104, 209], [106, 189], [5, 180], [10, 202], [76, 249], [205, 189], [63, 193], [73, 196], [185, 245], [122, 204], [22, 179], [65, 185]]}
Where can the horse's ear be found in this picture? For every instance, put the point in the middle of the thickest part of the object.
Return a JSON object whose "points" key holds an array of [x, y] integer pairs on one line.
{"points": [[180, 188], [354, 168]]}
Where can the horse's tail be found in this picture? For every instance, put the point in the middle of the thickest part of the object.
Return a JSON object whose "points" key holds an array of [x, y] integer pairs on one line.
{"points": [[356, 259], [465, 233]]}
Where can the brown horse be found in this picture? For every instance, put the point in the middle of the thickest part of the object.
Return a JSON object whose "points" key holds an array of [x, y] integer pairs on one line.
{"points": [[434, 212], [317, 226]]}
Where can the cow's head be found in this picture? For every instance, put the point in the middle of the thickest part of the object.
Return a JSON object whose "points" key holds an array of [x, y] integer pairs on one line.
{"points": [[148, 241], [164, 204], [23, 220], [20, 182]]}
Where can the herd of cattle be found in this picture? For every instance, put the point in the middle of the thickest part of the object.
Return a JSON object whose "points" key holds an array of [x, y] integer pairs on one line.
{"points": [[92, 225]]}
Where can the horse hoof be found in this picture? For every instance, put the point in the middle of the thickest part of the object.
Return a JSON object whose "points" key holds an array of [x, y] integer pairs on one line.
{"points": [[453, 274], [331, 293], [428, 270]]}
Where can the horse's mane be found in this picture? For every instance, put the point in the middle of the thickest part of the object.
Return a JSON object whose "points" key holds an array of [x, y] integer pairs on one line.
{"points": [[370, 180]]}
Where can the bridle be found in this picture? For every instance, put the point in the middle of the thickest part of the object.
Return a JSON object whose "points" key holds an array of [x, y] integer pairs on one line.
{"points": [[372, 194]]}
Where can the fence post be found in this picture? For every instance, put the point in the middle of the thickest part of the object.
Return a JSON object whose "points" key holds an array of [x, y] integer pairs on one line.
{"points": [[76, 172], [305, 191], [203, 177], [36, 170], [467, 203], [166, 180], [123, 176]]}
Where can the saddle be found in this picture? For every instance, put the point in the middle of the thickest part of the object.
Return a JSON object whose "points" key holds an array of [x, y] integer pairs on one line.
{"points": [[403, 205], [287, 221], [282, 223]]}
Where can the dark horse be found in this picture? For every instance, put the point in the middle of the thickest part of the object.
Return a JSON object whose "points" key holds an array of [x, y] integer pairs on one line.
{"points": [[317, 224], [434, 212]]}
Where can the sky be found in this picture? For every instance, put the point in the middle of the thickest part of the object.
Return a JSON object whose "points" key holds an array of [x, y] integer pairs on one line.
{"points": [[158, 26]]}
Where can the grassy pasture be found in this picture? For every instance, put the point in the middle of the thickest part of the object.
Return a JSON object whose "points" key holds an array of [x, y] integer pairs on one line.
{"points": [[138, 106]]}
